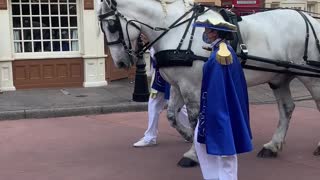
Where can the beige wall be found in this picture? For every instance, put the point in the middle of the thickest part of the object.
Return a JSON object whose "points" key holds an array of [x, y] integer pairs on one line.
{"points": [[6, 55], [307, 5], [216, 2], [93, 50]]}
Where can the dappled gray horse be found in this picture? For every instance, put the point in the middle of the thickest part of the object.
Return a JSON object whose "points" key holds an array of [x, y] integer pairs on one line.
{"points": [[277, 34]]}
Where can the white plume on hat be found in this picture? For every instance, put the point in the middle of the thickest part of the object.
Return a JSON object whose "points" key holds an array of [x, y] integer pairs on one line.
{"points": [[216, 23]]}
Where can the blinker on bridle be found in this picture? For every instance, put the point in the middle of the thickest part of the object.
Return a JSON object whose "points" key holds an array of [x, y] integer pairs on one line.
{"points": [[114, 25]]}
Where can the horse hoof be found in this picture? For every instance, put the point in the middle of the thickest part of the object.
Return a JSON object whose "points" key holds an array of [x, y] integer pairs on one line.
{"points": [[186, 162], [189, 139], [267, 153], [317, 151]]}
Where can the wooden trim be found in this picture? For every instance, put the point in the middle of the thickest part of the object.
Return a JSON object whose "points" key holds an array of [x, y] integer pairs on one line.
{"points": [[88, 4], [48, 73], [108, 69], [113, 73], [132, 73], [3, 4], [107, 62]]}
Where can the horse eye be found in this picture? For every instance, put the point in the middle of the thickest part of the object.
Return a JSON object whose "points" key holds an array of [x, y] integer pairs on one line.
{"points": [[112, 26], [111, 22]]}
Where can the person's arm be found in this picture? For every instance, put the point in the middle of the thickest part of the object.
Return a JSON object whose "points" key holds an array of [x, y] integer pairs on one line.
{"points": [[208, 48]]}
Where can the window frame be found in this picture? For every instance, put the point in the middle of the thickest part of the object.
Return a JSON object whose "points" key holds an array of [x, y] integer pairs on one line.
{"points": [[311, 6], [275, 5], [46, 54]]}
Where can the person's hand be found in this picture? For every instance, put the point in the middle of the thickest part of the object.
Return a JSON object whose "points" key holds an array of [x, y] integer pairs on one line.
{"points": [[144, 39]]}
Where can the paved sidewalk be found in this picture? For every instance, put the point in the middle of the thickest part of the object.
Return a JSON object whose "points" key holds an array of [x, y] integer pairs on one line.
{"points": [[59, 102], [116, 97]]}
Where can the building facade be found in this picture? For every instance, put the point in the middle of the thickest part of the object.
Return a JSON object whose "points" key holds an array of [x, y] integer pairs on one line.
{"points": [[307, 5], [53, 43], [209, 2], [243, 7]]}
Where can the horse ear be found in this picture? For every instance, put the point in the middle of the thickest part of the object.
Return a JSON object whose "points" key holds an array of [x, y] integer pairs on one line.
{"points": [[226, 14]]}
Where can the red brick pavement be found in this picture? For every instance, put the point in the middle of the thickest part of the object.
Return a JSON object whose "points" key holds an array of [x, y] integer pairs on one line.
{"points": [[100, 148]]}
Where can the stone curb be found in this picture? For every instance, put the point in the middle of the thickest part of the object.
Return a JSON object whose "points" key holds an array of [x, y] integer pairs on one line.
{"points": [[75, 111]]}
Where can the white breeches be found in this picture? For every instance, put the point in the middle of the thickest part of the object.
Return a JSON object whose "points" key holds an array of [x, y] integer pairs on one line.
{"points": [[215, 167], [155, 107]]}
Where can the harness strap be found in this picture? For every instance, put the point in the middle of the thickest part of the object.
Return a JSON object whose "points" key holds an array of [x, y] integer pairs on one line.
{"points": [[199, 12], [305, 56], [198, 8], [284, 71], [306, 43], [233, 19], [186, 31], [284, 64], [110, 13], [166, 31]]}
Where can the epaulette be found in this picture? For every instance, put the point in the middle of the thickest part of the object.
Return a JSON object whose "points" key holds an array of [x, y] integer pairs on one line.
{"points": [[223, 55]]}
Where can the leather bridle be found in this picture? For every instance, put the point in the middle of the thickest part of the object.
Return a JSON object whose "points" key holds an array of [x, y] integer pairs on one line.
{"points": [[114, 25]]}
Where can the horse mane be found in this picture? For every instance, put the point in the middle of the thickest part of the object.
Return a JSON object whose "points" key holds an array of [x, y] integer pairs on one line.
{"points": [[187, 4]]}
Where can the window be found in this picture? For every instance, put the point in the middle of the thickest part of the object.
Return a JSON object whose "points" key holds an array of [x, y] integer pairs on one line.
{"points": [[44, 25], [275, 5], [311, 7]]}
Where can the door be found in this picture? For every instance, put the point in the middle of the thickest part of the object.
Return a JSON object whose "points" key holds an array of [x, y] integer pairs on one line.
{"points": [[113, 73]]}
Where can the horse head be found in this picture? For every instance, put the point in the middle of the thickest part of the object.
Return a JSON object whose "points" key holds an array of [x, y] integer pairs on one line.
{"points": [[122, 21], [120, 33]]}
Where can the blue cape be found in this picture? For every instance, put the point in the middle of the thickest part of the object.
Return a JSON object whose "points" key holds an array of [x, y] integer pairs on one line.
{"points": [[224, 108]]}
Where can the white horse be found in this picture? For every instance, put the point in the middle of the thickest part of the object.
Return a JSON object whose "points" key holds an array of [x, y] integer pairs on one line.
{"points": [[277, 34]]}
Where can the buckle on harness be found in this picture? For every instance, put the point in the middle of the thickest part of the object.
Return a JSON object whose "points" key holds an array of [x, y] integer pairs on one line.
{"points": [[244, 49]]}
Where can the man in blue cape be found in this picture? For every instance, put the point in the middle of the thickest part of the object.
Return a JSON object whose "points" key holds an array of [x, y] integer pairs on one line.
{"points": [[223, 129], [160, 94]]}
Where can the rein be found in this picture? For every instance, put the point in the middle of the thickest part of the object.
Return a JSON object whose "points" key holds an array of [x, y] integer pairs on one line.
{"points": [[197, 10], [115, 26]]}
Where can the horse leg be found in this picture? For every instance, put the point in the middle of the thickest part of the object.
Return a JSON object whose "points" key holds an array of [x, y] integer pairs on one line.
{"points": [[174, 107], [285, 107], [313, 86], [187, 80], [176, 102], [190, 158], [317, 151]]}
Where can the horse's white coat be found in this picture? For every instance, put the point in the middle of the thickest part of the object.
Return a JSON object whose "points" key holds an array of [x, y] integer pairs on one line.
{"points": [[278, 34]]}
